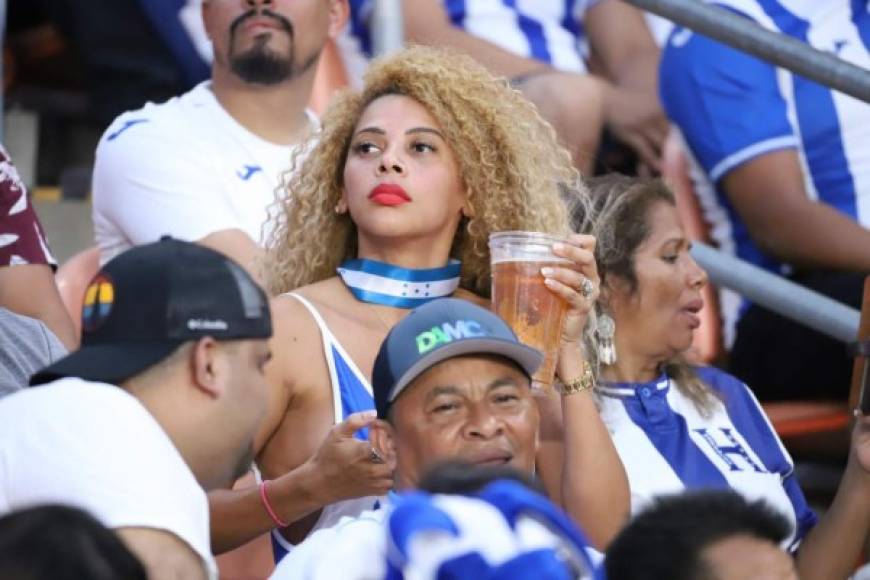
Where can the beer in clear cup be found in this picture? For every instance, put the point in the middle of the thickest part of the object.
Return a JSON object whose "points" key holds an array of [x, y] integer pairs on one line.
{"points": [[520, 297]]}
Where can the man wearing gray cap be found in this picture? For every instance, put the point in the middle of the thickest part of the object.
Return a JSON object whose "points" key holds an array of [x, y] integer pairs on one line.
{"points": [[451, 382]]}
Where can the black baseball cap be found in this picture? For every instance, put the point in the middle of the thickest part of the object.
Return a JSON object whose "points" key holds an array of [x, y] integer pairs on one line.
{"points": [[439, 330], [151, 299]]}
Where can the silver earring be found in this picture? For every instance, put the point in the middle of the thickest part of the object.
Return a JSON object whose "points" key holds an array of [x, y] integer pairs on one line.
{"points": [[606, 329]]}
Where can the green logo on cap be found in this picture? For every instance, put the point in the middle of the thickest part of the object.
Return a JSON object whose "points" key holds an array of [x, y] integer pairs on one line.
{"points": [[448, 332]]}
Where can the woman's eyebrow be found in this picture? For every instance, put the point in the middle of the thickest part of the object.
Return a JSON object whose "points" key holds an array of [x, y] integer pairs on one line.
{"points": [[424, 130], [376, 130]]}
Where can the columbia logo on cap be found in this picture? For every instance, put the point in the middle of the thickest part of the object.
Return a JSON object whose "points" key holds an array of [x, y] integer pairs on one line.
{"points": [[448, 332], [205, 324]]}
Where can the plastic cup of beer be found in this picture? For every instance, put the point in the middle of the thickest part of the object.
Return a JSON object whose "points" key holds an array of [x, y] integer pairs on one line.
{"points": [[520, 297]]}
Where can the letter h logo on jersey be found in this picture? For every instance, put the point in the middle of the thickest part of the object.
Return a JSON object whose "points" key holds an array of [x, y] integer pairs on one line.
{"points": [[729, 449]]}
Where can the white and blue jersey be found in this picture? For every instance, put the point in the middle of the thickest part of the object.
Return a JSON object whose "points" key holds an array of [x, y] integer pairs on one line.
{"points": [[668, 445], [351, 393], [359, 26], [550, 31], [732, 108], [184, 168]]}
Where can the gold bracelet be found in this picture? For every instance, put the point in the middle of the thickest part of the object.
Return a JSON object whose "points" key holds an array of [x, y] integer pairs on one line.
{"points": [[582, 383]]}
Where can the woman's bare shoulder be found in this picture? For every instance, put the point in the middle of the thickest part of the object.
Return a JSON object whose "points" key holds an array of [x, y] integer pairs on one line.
{"points": [[327, 293]]}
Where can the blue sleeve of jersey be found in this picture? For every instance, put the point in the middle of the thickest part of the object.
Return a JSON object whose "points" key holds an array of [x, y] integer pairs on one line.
{"points": [[750, 420], [726, 103], [163, 14]]}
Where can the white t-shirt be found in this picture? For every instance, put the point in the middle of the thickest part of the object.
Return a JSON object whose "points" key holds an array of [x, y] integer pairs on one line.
{"points": [[94, 446], [184, 168]]}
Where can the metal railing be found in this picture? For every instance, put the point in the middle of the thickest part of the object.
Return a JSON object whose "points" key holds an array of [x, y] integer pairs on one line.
{"points": [[744, 34], [387, 27], [778, 294]]}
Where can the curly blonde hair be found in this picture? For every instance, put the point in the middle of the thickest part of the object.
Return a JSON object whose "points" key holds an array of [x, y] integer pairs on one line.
{"points": [[511, 165]]}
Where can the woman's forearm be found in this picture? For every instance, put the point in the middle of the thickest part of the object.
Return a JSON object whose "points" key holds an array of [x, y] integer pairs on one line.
{"points": [[832, 548], [594, 484]]}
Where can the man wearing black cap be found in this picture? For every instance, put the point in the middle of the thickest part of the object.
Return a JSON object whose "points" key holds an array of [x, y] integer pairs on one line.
{"points": [[451, 381], [161, 401]]}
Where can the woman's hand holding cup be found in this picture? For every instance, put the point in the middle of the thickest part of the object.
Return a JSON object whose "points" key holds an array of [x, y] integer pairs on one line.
{"points": [[579, 286]]}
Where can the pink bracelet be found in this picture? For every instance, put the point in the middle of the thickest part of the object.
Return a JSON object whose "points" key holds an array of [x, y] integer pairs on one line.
{"points": [[278, 521]]}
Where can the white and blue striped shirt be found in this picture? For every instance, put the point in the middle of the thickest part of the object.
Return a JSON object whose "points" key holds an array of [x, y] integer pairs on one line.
{"points": [[550, 31], [732, 107], [667, 445]]}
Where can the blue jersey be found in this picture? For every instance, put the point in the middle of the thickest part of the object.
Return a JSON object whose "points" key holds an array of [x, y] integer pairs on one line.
{"points": [[167, 18], [732, 108], [351, 393], [550, 31], [668, 445]]}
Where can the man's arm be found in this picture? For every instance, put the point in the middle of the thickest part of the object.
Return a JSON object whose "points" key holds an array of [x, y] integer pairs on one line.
{"points": [[145, 188], [624, 52], [30, 290], [770, 197], [239, 246], [163, 554], [622, 46]]}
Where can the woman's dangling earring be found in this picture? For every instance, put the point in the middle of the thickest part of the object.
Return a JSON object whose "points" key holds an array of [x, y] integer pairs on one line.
{"points": [[606, 329]]}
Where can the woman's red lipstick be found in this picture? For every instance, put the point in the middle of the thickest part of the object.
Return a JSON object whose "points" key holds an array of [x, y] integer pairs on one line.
{"points": [[389, 194]]}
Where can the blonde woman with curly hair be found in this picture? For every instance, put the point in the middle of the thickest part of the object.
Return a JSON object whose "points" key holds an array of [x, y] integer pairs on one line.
{"points": [[391, 208]]}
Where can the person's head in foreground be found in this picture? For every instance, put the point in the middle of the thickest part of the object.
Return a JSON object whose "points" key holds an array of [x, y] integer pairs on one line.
{"points": [[55, 542], [451, 381], [472, 521], [650, 284], [435, 152], [705, 535], [183, 329], [458, 477]]}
